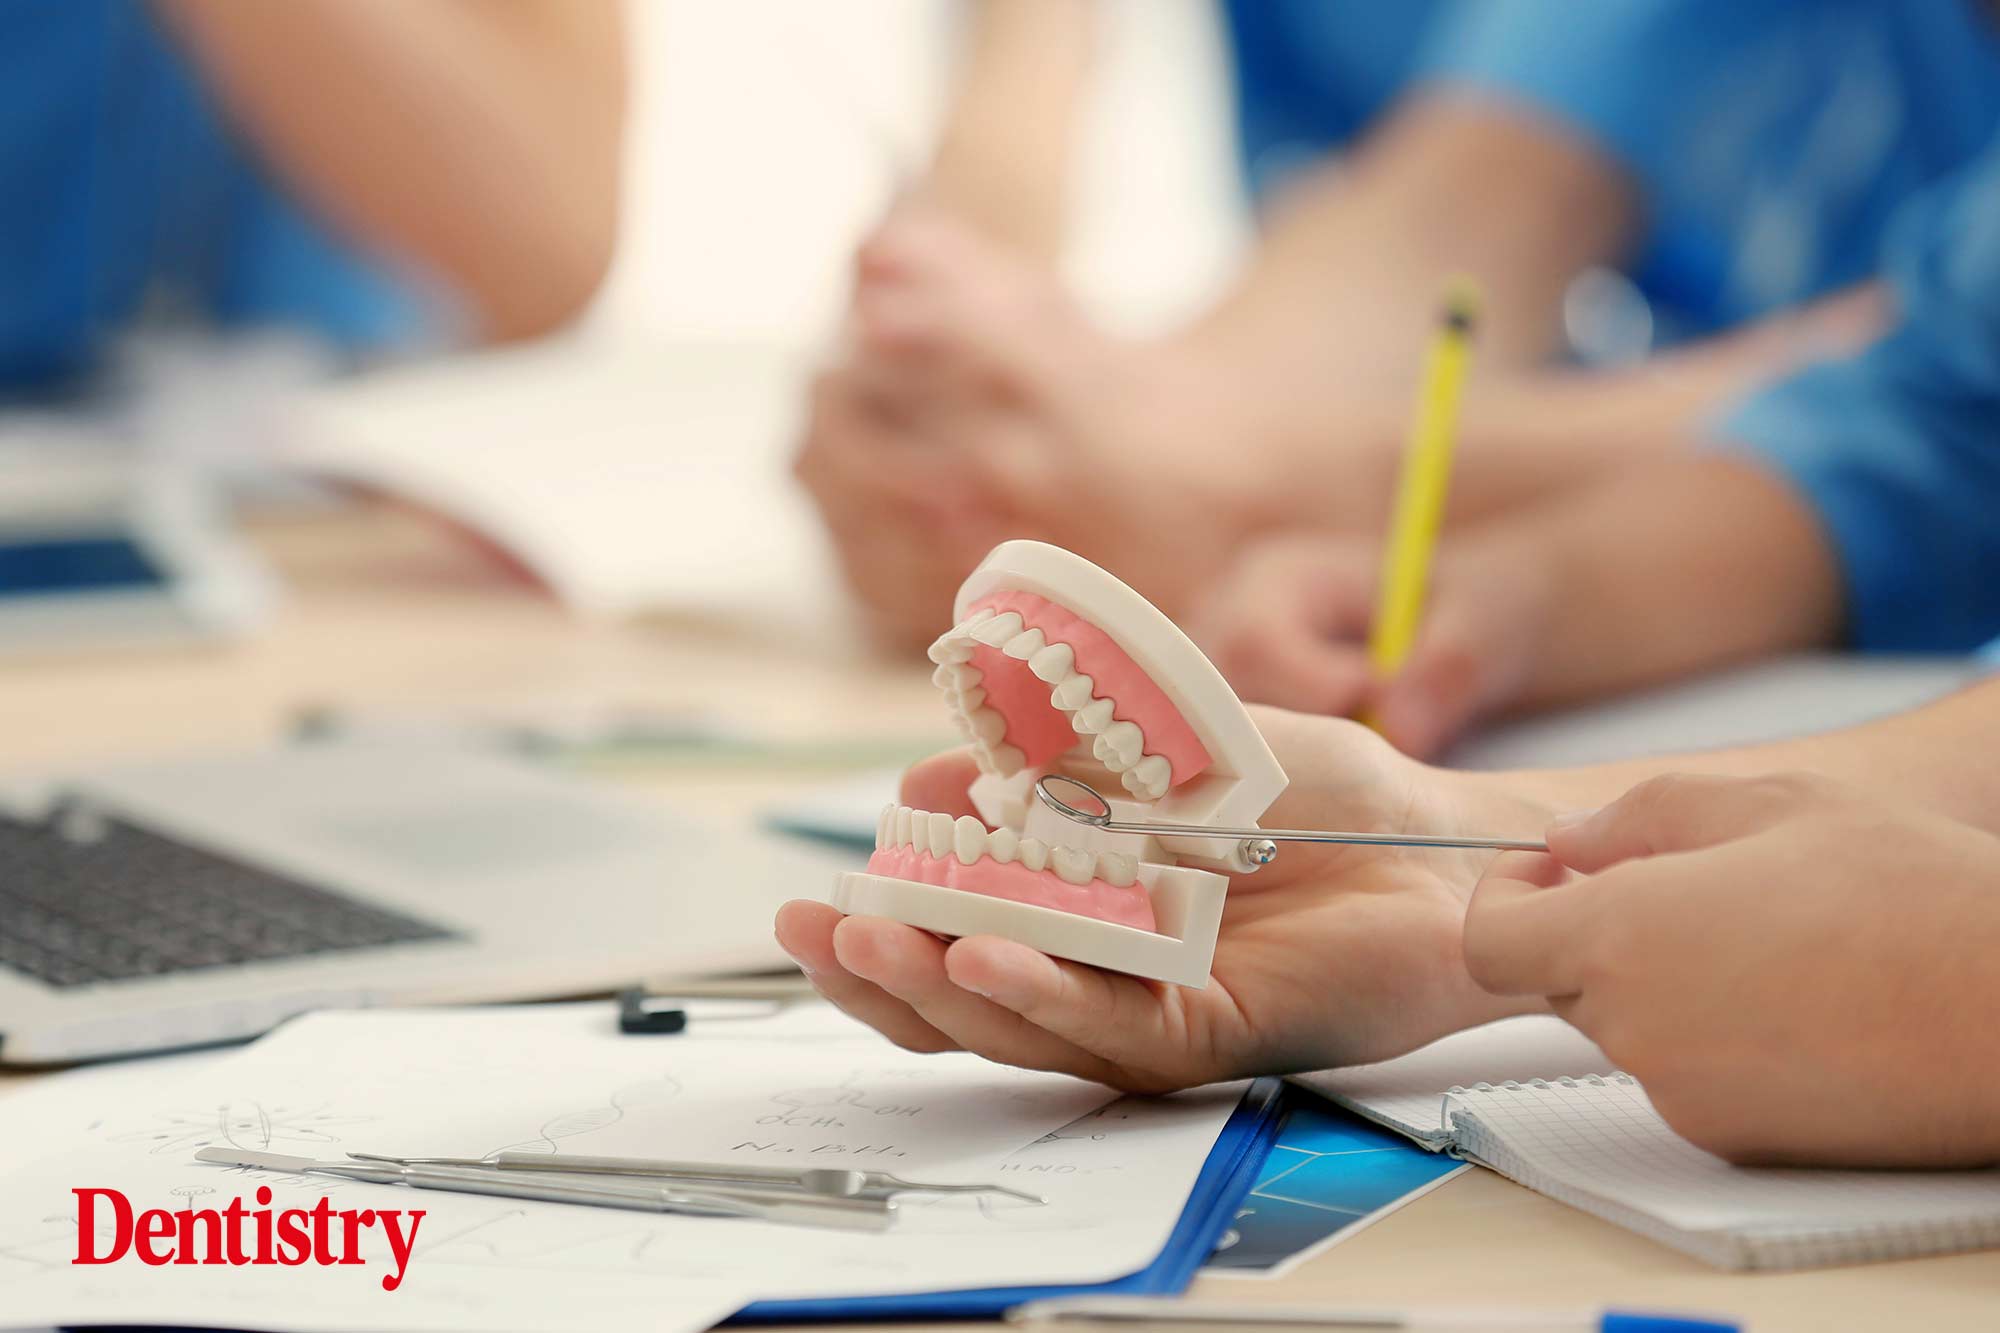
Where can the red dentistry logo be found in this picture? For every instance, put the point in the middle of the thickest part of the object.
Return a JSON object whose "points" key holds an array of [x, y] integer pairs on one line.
{"points": [[238, 1235]]}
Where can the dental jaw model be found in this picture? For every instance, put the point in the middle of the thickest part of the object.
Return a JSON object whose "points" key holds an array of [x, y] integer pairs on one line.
{"points": [[1054, 667]]}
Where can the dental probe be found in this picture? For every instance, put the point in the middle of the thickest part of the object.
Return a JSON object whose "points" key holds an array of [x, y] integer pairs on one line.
{"points": [[1259, 845]]}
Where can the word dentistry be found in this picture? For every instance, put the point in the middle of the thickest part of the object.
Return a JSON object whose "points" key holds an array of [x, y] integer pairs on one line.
{"points": [[290, 1237]]}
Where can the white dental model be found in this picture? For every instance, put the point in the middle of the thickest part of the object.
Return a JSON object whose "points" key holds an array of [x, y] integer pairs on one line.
{"points": [[1055, 667]]}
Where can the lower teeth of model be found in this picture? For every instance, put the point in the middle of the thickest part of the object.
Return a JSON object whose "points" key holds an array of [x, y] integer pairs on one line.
{"points": [[936, 834]]}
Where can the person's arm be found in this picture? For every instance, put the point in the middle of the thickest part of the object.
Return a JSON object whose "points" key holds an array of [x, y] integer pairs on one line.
{"points": [[479, 140], [1339, 297], [1940, 756], [1852, 503], [1524, 438], [1003, 156]]}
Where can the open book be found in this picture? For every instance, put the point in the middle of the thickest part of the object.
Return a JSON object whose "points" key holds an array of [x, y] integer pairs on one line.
{"points": [[1535, 1100]]}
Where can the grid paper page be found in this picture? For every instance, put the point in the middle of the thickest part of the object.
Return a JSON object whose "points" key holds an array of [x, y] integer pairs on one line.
{"points": [[1600, 1139], [1407, 1093]]}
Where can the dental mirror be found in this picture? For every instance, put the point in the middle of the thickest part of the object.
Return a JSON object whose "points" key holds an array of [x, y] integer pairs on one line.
{"points": [[1259, 846]]}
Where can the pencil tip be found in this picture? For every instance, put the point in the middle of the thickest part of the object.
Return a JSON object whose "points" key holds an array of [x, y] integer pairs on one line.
{"points": [[1461, 306]]}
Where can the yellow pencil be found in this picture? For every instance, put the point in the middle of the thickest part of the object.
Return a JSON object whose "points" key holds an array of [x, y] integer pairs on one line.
{"points": [[1420, 493]]}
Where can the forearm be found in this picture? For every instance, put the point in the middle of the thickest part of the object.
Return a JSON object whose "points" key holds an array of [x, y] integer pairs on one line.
{"points": [[1344, 288], [1003, 156], [1525, 437], [477, 139], [1939, 756], [1692, 563]]}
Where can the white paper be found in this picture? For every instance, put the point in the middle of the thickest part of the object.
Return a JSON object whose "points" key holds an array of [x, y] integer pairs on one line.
{"points": [[629, 475], [810, 1087], [1407, 1093]]}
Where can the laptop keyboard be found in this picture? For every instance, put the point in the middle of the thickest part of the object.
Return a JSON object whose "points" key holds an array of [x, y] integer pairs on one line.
{"points": [[86, 900]]}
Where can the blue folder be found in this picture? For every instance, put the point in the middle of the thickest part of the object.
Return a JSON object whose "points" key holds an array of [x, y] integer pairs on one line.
{"points": [[1225, 1179]]}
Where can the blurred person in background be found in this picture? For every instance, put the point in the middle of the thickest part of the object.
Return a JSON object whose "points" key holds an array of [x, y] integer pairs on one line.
{"points": [[1856, 502], [386, 175], [1737, 161]]}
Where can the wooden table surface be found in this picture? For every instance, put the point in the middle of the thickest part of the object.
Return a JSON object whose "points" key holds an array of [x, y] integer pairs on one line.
{"points": [[384, 613]]}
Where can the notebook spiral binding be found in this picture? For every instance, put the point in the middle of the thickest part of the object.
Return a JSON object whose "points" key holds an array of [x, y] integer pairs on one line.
{"points": [[1517, 1085]]}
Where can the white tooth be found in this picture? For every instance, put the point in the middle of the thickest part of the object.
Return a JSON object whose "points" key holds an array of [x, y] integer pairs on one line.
{"points": [[1052, 663], [1034, 854], [988, 726], [968, 839], [998, 630], [1127, 740], [1131, 783], [1120, 868], [1072, 694], [1014, 811], [1156, 773], [1004, 844], [1074, 864], [1110, 754], [952, 647], [1092, 717], [900, 835], [1025, 644], [937, 825], [964, 725], [1007, 760], [971, 699], [951, 676], [885, 822]]}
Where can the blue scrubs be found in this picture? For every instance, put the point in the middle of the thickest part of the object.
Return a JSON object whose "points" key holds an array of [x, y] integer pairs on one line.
{"points": [[122, 191], [1771, 141], [1898, 449]]}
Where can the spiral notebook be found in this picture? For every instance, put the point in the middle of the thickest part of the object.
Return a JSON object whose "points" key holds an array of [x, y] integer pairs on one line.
{"points": [[1535, 1100]]}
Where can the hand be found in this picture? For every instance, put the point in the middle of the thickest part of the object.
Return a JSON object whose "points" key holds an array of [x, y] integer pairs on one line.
{"points": [[1288, 624], [1332, 955], [904, 521], [884, 453], [1795, 972], [973, 384]]}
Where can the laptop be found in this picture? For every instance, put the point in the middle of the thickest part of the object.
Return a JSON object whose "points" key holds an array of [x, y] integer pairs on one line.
{"points": [[204, 900]]}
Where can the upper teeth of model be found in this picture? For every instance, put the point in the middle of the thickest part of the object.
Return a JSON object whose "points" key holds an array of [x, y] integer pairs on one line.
{"points": [[1119, 745], [936, 834]]}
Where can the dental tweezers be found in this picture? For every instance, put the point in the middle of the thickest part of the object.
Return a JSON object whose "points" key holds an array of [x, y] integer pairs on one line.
{"points": [[1259, 845], [846, 1214], [812, 1182]]}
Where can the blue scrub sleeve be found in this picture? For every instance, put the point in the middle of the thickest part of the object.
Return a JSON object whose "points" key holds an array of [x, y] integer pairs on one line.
{"points": [[1898, 449], [1631, 76]]}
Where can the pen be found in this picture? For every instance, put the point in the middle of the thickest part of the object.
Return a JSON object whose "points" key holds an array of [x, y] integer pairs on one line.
{"points": [[1141, 1310], [1420, 492]]}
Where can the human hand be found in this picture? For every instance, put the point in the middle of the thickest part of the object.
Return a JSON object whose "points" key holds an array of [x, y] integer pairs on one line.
{"points": [[1331, 955], [1288, 623], [972, 383], [888, 441], [1795, 972]]}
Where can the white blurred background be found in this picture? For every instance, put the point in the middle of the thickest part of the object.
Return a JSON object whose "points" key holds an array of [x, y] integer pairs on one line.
{"points": [[765, 135]]}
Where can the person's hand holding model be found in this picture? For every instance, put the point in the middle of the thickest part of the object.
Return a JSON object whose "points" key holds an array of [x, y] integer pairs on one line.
{"points": [[1329, 956], [1810, 937]]}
